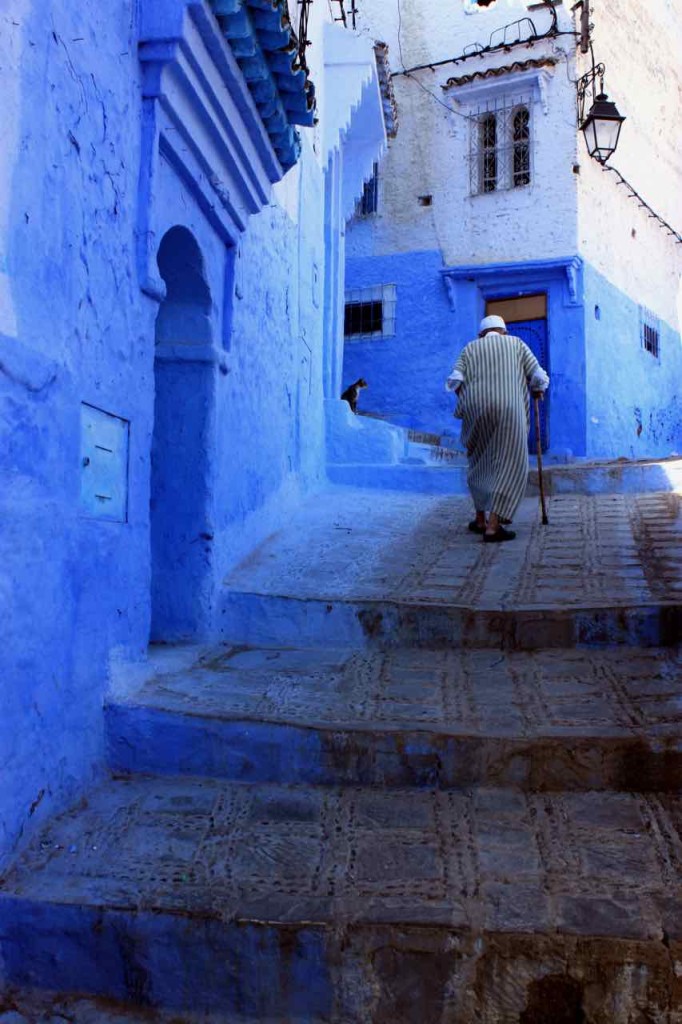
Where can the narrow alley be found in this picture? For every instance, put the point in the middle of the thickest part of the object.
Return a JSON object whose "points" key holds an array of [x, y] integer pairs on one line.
{"points": [[420, 780]]}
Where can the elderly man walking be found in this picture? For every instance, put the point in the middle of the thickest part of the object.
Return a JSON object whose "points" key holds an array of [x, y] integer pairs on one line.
{"points": [[491, 380]]}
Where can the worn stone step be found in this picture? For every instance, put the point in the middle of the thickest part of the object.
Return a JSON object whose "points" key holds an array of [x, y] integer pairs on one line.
{"points": [[360, 567], [353, 904], [24, 1007], [556, 720], [262, 619]]}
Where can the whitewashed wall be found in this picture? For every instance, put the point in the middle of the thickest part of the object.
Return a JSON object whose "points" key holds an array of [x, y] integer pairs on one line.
{"points": [[430, 153], [641, 44]]}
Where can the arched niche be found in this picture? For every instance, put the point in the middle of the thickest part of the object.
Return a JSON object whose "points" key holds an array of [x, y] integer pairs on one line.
{"points": [[184, 316], [181, 520]]}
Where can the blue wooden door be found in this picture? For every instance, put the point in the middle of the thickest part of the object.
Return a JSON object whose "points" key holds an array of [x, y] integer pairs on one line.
{"points": [[534, 333]]}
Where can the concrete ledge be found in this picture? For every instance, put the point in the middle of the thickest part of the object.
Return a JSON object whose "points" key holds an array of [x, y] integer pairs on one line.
{"points": [[434, 479], [579, 478], [620, 477], [359, 439]]}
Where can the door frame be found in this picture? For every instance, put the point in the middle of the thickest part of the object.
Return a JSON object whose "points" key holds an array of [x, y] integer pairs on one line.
{"points": [[469, 286], [544, 358]]}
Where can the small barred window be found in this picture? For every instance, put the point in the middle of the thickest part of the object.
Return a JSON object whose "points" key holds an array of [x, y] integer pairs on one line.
{"points": [[370, 313], [501, 147], [650, 332]]}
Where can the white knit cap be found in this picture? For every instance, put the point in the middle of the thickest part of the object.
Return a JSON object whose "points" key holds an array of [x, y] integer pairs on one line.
{"points": [[492, 323]]}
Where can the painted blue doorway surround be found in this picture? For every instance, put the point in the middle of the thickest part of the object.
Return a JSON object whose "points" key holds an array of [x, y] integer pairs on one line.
{"points": [[470, 288]]}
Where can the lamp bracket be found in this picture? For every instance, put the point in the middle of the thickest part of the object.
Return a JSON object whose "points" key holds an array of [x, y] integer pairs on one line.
{"points": [[588, 83]]}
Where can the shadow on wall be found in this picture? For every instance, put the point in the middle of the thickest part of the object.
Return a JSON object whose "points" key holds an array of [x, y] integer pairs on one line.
{"points": [[182, 447], [554, 999]]}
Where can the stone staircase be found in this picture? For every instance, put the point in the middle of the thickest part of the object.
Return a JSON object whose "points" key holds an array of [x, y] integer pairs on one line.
{"points": [[420, 780]]}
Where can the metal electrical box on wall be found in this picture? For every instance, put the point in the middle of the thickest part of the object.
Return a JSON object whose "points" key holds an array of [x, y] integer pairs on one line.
{"points": [[104, 465]]}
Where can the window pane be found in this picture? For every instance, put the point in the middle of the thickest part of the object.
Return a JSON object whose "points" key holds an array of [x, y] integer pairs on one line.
{"points": [[521, 155], [521, 125], [500, 145], [363, 318], [488, 132]]}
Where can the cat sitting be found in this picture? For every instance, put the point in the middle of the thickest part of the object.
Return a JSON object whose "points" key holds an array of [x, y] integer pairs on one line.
{"points": [[352, 393]]}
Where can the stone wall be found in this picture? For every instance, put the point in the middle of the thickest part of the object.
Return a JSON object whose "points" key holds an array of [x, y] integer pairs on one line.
{"points": [[633, 404], [270, 432], [406, 373]]}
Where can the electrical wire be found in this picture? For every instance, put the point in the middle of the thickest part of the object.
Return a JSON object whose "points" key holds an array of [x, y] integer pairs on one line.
{"points": [[409, 74], [400, 29], [634, 194], [442, 103], [552, 32]]}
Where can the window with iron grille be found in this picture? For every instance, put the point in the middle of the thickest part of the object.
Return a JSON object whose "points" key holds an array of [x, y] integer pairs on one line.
{"points": [[369, 201], [370, 313], [650, 332], [501, 146]]}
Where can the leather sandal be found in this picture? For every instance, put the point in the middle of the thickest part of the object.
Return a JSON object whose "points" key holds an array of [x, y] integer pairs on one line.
{"points": [[475, 528], [499, 536]]}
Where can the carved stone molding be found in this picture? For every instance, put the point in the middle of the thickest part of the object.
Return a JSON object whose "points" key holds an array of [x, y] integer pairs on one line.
{"points": [[201, 120]]}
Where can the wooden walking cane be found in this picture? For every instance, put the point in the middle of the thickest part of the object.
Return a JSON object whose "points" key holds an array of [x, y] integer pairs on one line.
{"points": [[538, 439]]}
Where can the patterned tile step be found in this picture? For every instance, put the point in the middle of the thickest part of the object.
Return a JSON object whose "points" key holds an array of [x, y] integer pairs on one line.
{"points": [[355, 567], [555, 720], [353, 905]]}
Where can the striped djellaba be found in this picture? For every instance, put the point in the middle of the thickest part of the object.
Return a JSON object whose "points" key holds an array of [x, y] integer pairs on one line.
{"points": [[493, 374]]}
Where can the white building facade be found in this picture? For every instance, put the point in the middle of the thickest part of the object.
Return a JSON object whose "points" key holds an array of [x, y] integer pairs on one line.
{"points": [[488, 201]]}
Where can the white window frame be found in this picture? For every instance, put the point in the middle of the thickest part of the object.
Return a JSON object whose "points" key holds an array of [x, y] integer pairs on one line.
{"points": [[501, 156], [502, 96], [384, 293]]}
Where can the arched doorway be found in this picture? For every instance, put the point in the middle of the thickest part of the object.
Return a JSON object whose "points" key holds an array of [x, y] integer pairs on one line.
{"points": [[181, 521]]}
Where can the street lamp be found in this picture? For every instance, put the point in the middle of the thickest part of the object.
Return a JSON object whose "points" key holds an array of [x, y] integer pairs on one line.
{"points": [[601, 127]]}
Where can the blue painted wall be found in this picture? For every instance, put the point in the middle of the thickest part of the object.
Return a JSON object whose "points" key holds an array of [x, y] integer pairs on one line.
{"points": [[240, 417], [634, 408], [406, 373], [269, 412], [74, 328]]}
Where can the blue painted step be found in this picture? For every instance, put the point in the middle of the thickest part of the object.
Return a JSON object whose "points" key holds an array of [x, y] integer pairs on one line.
{"points": [[273, 620], [561, 720]]}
